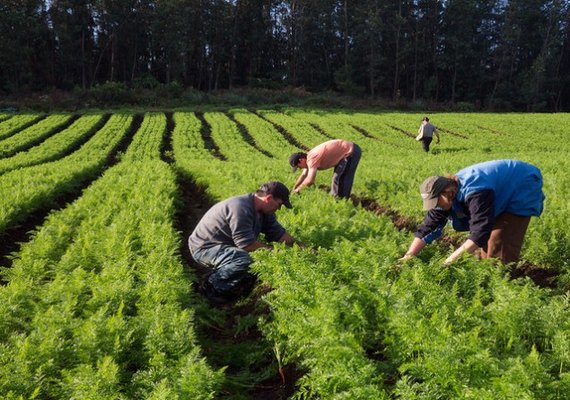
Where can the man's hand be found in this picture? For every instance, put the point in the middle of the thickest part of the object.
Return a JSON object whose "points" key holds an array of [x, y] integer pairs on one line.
{"points": [[468, 247], [406, 257]]}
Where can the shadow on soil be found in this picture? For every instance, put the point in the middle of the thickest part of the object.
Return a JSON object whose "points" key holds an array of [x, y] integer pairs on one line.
{"points": [[229, 335]]}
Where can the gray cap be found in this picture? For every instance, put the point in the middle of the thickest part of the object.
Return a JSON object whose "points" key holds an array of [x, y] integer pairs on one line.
{"points": [[431, 188]]}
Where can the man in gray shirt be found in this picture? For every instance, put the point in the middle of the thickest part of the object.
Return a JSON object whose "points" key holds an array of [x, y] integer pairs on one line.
{"points": [[229, 231], [427, 131]]}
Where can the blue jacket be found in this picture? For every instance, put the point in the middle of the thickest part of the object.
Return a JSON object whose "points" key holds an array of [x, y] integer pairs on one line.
{"points": [[487, 190]]}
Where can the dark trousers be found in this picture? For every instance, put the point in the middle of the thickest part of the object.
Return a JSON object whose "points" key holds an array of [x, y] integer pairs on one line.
{"points": [[506, 238], [230, 276], [344, 172], [426, 141]]}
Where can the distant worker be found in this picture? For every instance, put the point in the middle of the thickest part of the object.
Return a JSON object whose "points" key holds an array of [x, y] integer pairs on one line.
{"points": [[339, 154], [229, 231], [493, 200], [425, 134]]}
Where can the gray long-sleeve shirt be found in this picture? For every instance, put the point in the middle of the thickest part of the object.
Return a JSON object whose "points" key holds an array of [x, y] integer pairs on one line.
{"points": [[236, 223]]}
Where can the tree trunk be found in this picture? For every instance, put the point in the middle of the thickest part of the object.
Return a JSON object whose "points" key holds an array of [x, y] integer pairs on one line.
{"points": [[415, 79], [83, 77], [112, 74], [397, 55], [346, 34]]}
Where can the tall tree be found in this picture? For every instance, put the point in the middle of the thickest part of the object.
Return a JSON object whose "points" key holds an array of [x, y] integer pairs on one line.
{"points": [[464, 47], [24, 46], [72, 27]]}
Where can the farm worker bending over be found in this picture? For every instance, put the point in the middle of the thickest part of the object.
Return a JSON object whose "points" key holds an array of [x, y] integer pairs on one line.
{"points": [[493, 200], [229, 231], [426, 132], [339, 154]]}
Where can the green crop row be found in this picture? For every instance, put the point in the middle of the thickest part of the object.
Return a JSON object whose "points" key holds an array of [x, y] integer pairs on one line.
{"points": [[393, 164], [55, 146], [29, 189], [33, 135], [97, 304], [15, 124], [264, 133], [146, 145]]}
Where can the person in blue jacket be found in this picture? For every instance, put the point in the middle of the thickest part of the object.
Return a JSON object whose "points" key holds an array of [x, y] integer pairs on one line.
{"points": [[492, 200]]}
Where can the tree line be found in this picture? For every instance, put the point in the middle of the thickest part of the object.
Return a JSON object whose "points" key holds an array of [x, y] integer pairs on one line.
{"points": [[494, 54]]}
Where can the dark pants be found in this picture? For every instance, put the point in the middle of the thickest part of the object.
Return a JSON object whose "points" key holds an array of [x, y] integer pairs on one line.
{"points": [[506, 238], [343, 176], [231, 276], [426, 141]]}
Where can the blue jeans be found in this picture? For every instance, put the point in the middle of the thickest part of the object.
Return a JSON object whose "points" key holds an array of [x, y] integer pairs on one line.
{"points": [[343, 176], [231, 268]]}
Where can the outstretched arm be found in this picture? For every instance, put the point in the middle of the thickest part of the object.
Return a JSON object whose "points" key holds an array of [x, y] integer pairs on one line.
{"points": [[256, 245], [300, 179], [416, 246], [469, 246], [288, 240], [308, 179]]}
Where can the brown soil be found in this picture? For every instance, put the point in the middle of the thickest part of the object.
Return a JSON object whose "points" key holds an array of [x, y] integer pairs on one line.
{"points": [[452, 133], [286, 134]]}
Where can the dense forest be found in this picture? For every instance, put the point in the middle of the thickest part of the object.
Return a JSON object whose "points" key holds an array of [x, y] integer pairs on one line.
{"points": [[492, 54]]}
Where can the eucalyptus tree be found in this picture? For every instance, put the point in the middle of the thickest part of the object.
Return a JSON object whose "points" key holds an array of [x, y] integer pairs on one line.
{"points": [[316, 45], [120, 30], [519, 44], [464, 47], [255, 51], [367, 59], [73, 30], [25, 40], [423, 61]]}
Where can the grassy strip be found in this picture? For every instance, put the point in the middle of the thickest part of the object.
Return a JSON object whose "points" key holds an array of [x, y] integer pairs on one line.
{"points": [[34, 134]]}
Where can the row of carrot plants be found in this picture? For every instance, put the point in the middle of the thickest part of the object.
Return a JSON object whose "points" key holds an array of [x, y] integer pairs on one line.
{"points": [[97, 305], [17, 123], [33, 135], [393, 164], [55, 146], [29, 189]]}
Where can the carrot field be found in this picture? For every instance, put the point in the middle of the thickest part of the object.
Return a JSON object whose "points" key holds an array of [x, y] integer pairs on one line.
{"points": [[98, 297]]}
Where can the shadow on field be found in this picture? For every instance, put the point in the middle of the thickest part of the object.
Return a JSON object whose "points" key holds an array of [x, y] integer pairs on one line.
{"points": [[448, 150], [229, 335]]}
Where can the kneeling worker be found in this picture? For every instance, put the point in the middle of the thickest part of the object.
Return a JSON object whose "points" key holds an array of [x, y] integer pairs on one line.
{"points": [[229, 231], [492, 200]]}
